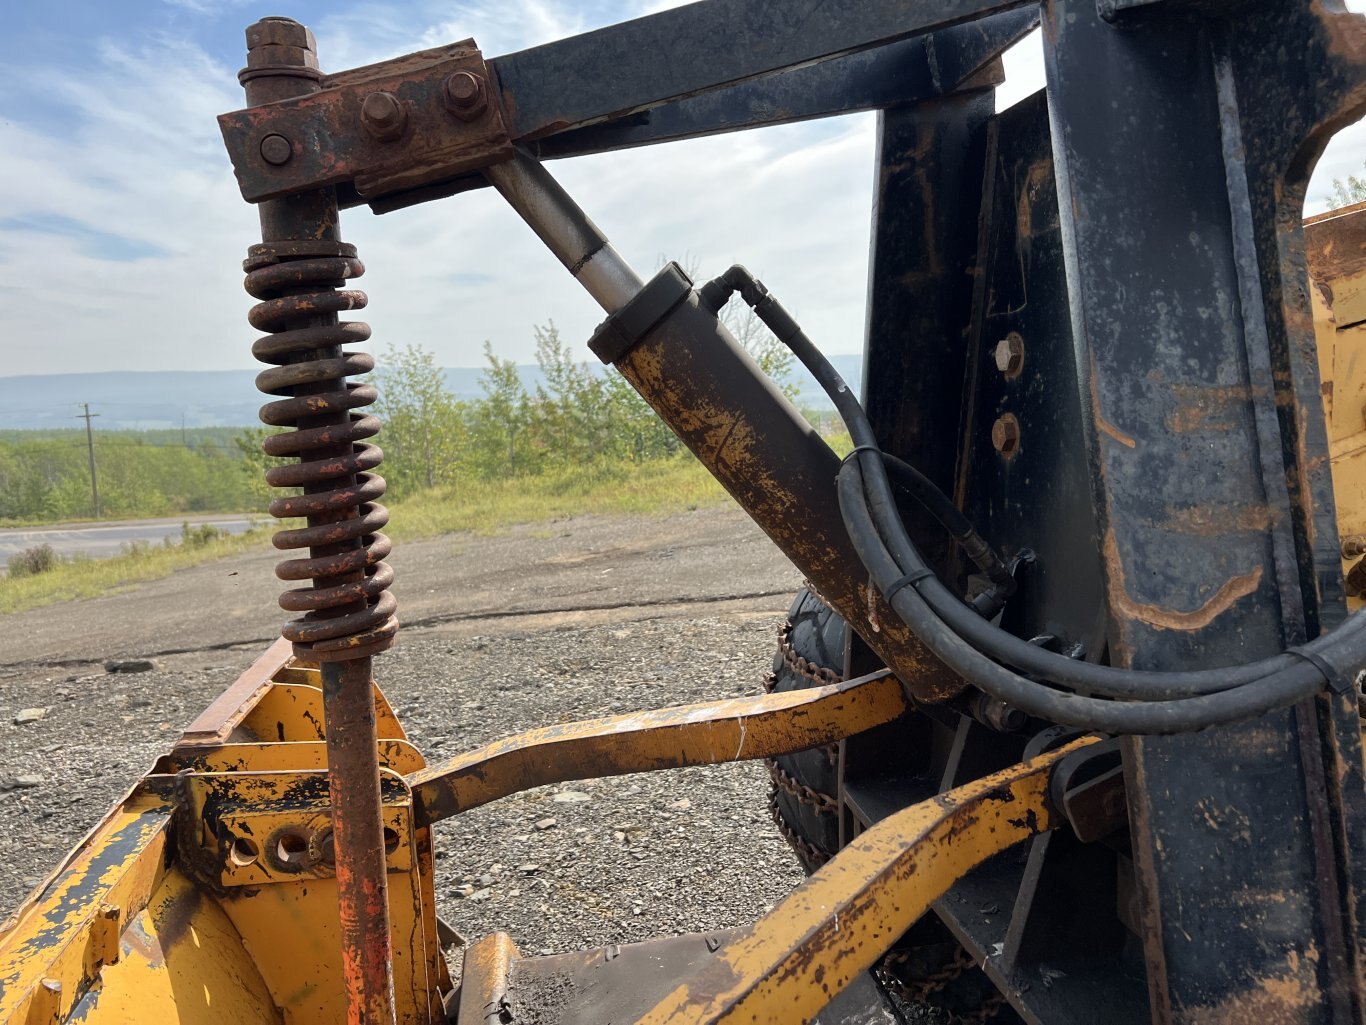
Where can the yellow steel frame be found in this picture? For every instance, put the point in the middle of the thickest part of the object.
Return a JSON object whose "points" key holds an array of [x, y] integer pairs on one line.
{"points": [[665, 738], [152, 919], [840, 922]]}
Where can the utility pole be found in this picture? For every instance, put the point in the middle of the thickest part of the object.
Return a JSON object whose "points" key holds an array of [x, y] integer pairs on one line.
{"points": [[87, 416]]}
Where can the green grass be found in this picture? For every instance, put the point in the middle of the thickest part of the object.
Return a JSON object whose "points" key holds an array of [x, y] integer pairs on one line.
{"points": [[88, 578], [666, 486], [485, 507]]}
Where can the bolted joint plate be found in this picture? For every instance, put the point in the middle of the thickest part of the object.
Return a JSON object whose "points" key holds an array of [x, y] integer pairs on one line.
{"points": [[260, 828], [332, 145]]}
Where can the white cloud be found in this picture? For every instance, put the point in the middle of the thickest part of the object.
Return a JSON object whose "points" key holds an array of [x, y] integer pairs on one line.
{"points": [[138, 156]]}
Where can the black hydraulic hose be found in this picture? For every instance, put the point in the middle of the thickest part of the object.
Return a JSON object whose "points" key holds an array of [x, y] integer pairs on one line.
{"points": [[1086, 677], [1183, 715], [951, 518], [1205, 697]]}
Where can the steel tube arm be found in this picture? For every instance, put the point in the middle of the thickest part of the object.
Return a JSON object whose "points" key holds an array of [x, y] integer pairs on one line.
{"points": [[633, 65], [788, 965], [666, 738]]}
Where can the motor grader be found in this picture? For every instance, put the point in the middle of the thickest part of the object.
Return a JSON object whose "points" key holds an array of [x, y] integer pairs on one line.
{"points": [[1066, 723]]}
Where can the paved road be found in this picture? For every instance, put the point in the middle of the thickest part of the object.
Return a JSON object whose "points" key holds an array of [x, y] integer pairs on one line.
{"points": [[101, 540]]}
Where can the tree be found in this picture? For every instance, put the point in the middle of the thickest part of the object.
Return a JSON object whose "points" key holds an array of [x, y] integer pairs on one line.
{"points": [[774, 358], [254, 463], [569, 414], [424, 433], [1345, 193], [500, 443]]}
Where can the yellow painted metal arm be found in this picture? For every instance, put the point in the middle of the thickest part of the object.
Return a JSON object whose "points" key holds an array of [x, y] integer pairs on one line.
{"points": [[666, 738], [787, 966]]}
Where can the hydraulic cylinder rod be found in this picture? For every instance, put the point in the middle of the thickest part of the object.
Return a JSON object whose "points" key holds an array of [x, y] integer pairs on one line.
{"points": [[703, 384]]}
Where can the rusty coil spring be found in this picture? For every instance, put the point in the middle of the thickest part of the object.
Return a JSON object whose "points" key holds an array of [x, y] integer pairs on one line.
{"points": [[348, 612]]}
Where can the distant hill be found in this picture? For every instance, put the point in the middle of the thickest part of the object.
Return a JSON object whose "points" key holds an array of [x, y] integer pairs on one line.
{"points": [[149, 400]]}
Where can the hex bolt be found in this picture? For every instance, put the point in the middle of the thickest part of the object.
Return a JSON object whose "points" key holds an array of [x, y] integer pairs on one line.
{"points": [[383, 116], [1009, 355], [465, 95], [996, 714], [1353, 546], [276, 149], [1005, 435]]}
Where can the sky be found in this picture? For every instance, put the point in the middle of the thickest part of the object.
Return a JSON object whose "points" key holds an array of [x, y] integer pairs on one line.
{"points": [[122, 230]]}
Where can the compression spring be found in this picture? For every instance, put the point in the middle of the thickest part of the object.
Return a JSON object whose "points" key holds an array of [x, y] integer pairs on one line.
{"points": [[348, 612]]}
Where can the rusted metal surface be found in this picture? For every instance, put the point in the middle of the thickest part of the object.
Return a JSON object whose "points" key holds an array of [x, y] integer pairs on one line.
{"points": [[484, 981], [348, 609], [410, 129], [843, 919], [1195, 206], [263, 827], [705, 734], [773, 463], [55, 947], [622, 981], [619, 69], [408, 122], [1335, 249], [359, 842], [259, 756], [215, 724]]}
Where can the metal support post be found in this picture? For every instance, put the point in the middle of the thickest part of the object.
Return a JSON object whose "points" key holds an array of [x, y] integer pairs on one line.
{"points": [[302, 256]]}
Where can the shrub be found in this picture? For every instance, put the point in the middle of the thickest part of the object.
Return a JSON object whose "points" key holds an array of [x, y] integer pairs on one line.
{"points": [[200, 536], [32, 561]]}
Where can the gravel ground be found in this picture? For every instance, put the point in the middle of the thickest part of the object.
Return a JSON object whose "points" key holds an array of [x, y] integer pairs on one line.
{"points": [[625, 858]]}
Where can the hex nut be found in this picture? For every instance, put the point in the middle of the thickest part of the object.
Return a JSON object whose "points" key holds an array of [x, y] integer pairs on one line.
{"points": [[276, 150], [1009, 355], [384, 116], [1005, 435], [279, 32], [465, 95]]}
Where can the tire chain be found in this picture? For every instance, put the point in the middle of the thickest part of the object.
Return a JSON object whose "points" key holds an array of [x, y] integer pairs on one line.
{"points": [[813, 854], [916, 993], [783, 780]]}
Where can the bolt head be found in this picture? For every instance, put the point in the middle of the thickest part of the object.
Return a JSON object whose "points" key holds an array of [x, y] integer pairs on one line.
{"points": [[279, 32], [1009, 355], [276, 150], [1005, 435], [465, 95], [383, 116]]}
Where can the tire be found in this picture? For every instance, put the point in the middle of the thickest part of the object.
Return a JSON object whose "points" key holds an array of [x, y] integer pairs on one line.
{"points": [[803, 799], [931, 976]]}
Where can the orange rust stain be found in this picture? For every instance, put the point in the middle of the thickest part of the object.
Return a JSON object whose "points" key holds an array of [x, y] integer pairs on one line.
{"points": [[1202, 408], [1171, 619], [1035, 178], [1285, 998], [1215, 520], [1105, 426], [1114, 433]]}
